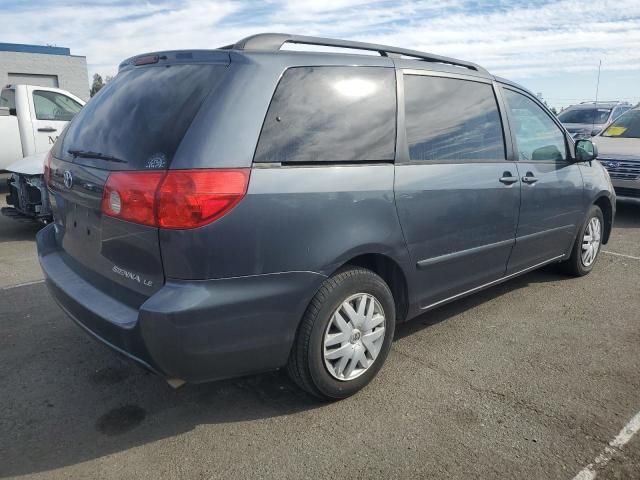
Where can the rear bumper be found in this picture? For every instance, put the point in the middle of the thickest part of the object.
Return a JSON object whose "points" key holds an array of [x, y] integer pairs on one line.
{"points": [[194, 331]]}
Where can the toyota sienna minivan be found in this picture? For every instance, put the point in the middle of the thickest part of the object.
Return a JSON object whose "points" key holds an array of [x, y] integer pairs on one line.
{"points": [[232, 211]]}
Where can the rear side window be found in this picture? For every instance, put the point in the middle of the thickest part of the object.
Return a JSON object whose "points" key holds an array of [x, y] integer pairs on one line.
{"points": [[450, 119], [141, 115], [328, 114], [54, 106]]}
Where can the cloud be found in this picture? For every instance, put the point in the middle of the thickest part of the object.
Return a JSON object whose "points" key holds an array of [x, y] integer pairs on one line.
{"points": [[511, 39]]}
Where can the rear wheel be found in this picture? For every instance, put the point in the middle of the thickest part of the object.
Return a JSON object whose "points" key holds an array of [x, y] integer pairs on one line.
{"points": [[345, 335], [587, 245]]}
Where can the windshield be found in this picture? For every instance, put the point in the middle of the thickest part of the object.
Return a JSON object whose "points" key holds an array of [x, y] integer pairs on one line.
{"points": [[626, 126], [585, 115], [140, 117]]}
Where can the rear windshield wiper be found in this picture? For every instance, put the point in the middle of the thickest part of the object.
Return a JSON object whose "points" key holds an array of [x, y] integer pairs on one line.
{"points": [[98, 155]]}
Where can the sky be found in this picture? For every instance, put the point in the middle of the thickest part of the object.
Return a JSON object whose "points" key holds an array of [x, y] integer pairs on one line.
{"points": [[550, 47]]}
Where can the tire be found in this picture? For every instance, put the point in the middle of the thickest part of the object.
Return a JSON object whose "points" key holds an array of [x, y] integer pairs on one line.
{"points": [[320, 376], [575, 265]]}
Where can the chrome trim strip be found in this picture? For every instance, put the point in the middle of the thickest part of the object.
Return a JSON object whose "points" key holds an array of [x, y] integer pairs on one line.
{"points": [[455, 75], [422, 264], [494, 282], [532, 236]]}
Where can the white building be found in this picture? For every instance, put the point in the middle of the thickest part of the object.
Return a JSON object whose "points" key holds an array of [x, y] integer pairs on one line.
{"points": [[44, 67]]}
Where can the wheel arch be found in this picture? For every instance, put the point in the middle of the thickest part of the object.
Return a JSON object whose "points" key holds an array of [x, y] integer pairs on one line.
{"points": [[391, 272], [605, 204]]}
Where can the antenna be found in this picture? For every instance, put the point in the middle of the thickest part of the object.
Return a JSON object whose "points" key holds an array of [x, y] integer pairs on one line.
{"points": [[593, 124]]}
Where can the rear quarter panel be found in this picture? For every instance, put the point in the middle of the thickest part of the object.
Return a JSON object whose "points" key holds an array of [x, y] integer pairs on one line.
{"points": [[294, 219]]}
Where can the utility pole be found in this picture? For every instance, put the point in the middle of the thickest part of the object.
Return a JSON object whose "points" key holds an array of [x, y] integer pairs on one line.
{"points": [[593, 125], [598, 82]]}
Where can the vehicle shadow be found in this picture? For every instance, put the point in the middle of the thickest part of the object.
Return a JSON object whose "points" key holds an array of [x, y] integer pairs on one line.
{"points": [[457, 307], [627, 214], [77, 401]]}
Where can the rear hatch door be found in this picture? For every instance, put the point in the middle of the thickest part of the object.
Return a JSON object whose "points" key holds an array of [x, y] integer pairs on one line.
{"points": [[135, 123]]}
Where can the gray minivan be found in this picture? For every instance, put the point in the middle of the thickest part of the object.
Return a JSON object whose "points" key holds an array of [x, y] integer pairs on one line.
{"points": [[227, 212]]}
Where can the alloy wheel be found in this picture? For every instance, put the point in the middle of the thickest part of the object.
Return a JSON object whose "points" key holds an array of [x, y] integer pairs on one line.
{"points": [[591, 241]]}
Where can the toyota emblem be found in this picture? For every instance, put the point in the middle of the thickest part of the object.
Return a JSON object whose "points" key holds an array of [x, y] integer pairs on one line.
{"points": [[68, 179]]}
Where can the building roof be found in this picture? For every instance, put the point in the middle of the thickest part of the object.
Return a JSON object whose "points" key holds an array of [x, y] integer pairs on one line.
{"points": [[46, 50]]}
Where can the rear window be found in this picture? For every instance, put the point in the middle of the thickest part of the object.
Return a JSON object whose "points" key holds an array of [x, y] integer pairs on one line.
{"points": [[141, 115], [331, 114]]}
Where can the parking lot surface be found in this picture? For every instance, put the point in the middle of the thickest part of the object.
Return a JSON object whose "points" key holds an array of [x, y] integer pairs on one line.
{"points": [[529, 379]]}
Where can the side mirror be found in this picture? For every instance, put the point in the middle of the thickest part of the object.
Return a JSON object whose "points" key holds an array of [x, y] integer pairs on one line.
{"points": [[4, 112], [586, 150]]}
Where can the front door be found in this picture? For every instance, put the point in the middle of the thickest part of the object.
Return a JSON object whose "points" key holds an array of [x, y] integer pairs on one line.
{"points": [[457, 196], [50, 113], [551, 184]]}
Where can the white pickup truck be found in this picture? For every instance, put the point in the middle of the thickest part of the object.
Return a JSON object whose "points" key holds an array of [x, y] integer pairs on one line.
{"points": [[31, 118]]}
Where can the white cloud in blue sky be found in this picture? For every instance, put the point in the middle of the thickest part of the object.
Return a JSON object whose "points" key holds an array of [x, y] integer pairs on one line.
{"points": [[550, 47]]}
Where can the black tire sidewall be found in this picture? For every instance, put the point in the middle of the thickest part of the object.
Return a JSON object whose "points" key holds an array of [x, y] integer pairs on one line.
{"points": [[362, 282]]}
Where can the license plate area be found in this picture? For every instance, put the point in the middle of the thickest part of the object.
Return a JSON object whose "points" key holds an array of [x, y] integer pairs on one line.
{"points": [[82, 233]]}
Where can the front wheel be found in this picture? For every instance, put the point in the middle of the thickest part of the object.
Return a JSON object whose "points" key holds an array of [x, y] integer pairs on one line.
{"points": [[345, 335], [587, 245]]}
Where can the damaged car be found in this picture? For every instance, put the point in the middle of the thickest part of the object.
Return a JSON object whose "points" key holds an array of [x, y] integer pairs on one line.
{"points": [[28, 199], [31, 118]]}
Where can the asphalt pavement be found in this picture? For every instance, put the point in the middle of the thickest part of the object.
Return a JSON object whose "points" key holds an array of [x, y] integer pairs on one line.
{"points": [[530, 379]]}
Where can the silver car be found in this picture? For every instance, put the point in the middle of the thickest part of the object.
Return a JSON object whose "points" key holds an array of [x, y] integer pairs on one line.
{"points": [[589, 118], [619, 152]]}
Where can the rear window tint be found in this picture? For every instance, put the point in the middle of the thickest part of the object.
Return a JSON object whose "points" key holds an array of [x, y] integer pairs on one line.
{"points": [[451, 119], [141, 115], [328, 114]]}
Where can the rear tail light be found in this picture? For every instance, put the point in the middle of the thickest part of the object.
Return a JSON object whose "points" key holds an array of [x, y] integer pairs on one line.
{"points": [[177, 199], [191, 198], [131, 196]]}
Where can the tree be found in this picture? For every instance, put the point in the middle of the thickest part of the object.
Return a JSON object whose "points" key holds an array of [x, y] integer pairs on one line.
{"points": [[97, 84]]}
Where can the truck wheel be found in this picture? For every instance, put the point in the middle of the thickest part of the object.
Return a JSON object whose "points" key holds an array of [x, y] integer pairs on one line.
{"points": [[587, 245], [345, 335]]}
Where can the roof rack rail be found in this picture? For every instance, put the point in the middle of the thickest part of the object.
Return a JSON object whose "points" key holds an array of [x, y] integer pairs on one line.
{"points": [[275, 41], [621, 102]]}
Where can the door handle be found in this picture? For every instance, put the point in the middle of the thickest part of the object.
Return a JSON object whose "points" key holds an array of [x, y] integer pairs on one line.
{"points": [[47, 129], [529, 178], [508, 179]]}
